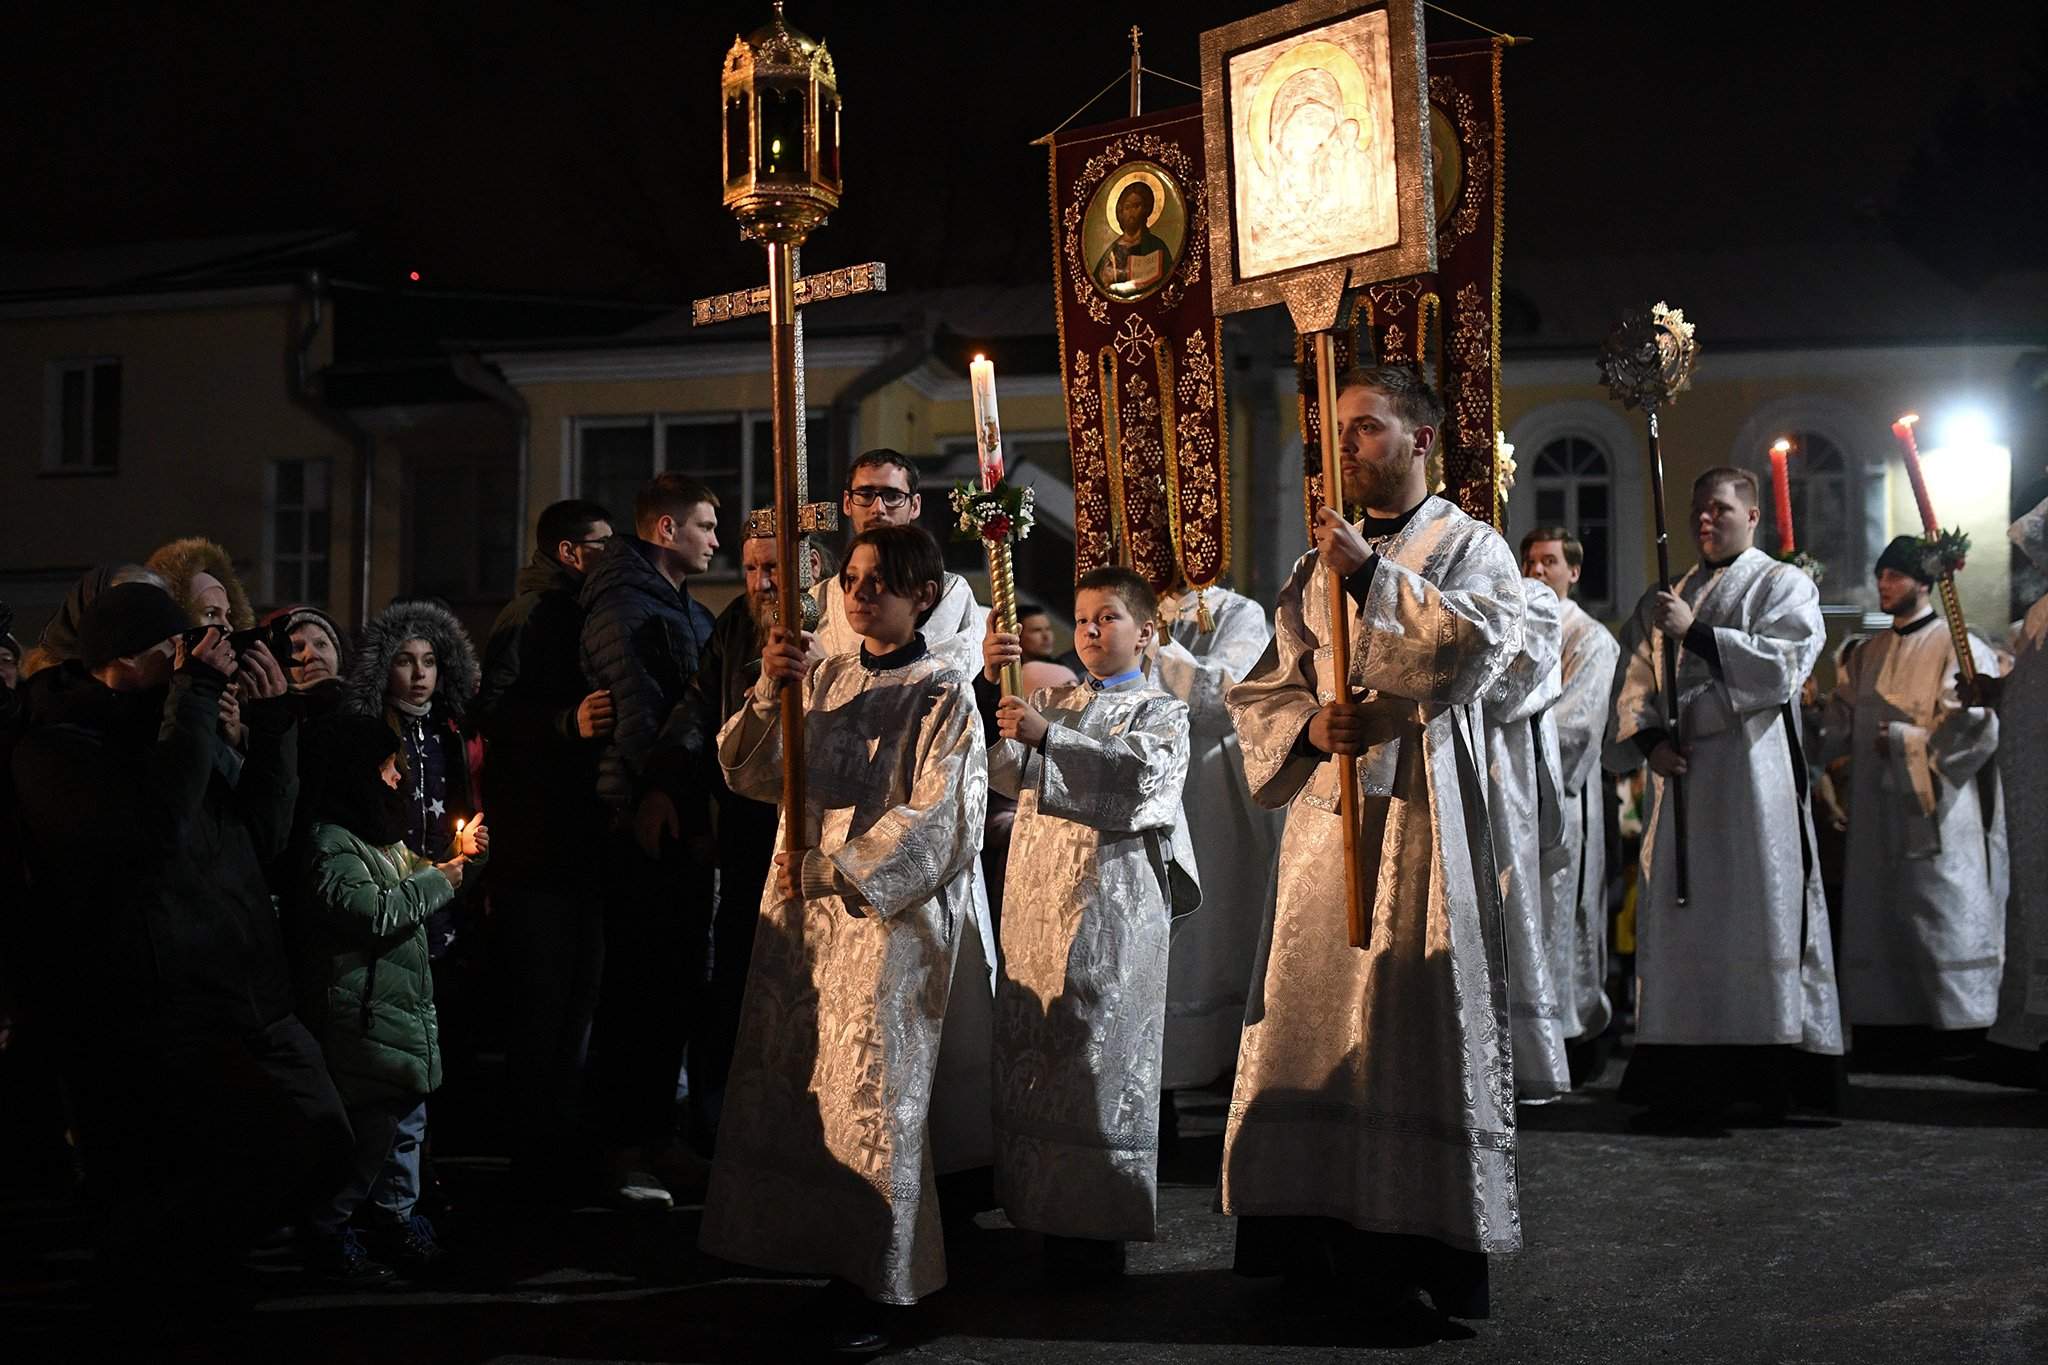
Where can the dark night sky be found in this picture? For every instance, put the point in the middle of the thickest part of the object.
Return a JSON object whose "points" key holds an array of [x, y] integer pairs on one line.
{"points": [[571, 148]]}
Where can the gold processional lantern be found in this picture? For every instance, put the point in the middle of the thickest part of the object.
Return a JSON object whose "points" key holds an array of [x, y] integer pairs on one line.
{"points": [[781, 102]]}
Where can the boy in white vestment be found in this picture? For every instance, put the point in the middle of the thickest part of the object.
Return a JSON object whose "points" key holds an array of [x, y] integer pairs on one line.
{"points": [[824, 1153], [1099, 863]]}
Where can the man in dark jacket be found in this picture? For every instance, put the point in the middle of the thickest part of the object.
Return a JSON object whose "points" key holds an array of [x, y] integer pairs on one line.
{"points": [[545, 729], [642, 640], [746, 828], [206, 1109]]}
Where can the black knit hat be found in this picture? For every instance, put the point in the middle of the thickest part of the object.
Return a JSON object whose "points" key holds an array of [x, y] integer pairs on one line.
{"points": [[1905, 556], [125, 620]]}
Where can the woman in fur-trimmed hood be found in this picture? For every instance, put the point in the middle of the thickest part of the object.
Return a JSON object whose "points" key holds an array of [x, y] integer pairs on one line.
{"points": [[202, 581], [414, 665]]}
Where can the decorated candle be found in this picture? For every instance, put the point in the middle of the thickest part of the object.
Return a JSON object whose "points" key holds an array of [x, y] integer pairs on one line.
{"points": [[1781, 490], [1903, 429], [988, 431]]}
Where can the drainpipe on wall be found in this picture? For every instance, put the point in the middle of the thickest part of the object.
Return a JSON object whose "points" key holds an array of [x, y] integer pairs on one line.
{"points": [[486, 380], [309, 393], [919, 331]]}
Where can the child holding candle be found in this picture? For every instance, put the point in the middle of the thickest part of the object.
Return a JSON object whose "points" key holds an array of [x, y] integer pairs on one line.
{"points": [[1100, 855], [366, 992]]}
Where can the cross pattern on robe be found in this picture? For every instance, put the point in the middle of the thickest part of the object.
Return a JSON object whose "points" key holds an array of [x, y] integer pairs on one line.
{"points": [[871, 278], [873, 1143]]}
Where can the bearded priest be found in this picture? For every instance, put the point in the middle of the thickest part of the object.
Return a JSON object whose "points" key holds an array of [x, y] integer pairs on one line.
{"points": [[1370, 1151]]}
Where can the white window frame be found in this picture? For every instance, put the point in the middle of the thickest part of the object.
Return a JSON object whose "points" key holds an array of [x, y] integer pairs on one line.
{"points": [[302, 559], [1599, 425], [53, 416], [1866, 443], [753, 459]]}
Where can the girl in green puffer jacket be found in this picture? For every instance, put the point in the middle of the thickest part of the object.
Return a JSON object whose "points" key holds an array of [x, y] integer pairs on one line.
{"points": [[366, 990]]}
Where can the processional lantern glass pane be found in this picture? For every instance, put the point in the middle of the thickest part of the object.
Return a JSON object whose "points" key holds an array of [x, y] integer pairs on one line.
{"points": [[781, 103]]}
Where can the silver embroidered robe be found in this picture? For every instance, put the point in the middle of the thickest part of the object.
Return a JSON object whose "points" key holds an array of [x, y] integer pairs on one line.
{"points": [[1099, 864], [961, 1137], [1375, 1086], [1747, 961], [1210, 966], [1575, 867], [1525, 803], [2023, 775], [1923, 898], [824, 1164]]}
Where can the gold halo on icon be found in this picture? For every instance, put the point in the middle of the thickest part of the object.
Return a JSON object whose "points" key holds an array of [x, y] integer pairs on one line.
{"points": [[1116, 193]]}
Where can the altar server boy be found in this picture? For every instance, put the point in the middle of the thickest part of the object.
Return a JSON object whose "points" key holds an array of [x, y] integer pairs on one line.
{"points": [[1099, 864]]}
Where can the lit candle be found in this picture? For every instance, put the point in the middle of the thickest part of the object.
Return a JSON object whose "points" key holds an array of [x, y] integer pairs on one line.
{"points": [[1781, 487], [988, 430], [1903, 429]]}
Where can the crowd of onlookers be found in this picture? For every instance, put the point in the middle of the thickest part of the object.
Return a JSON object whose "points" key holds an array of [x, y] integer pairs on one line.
{"points": [[272, 880]]}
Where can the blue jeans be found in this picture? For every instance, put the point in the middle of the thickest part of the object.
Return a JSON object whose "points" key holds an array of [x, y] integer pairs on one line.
{"points": [[385, 1170]]}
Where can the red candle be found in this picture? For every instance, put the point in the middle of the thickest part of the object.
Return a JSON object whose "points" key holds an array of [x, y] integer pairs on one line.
{"points": [[1903, 429], [1781, 487]]}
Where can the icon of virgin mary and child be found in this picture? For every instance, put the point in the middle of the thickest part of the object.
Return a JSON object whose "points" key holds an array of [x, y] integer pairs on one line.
{"points": [[1136, 259]]}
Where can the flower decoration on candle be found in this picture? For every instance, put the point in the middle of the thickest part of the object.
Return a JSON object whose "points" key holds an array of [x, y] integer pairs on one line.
{"points": [[1008, 513], [1945, 552]]}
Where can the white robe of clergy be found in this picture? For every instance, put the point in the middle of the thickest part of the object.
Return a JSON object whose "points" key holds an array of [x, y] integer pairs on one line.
{"points": [[1747, 961], [824, 1164], [1524, 801], [1375, 1086], [1575, 867], [2023, 775], [961, 1137], [1923, 900], [1099, 864], [1210, 966]]}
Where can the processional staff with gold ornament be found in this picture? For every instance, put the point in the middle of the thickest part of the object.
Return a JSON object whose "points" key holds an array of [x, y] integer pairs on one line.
{"points": [[1277, 237], [1647, 362], [782, 180]]}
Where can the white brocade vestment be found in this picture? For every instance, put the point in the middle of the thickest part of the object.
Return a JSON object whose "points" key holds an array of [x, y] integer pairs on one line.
{"points": [[824, 1164], [2023, 773], [1575, 868], [1210, 967], [1099, 863], [1525, 804], [961, 1137], [1747, 961], [1923, 898], [1375, 1086]]}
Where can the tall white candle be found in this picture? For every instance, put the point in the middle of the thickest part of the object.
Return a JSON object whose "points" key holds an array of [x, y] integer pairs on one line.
{"points": [[988, 430]]}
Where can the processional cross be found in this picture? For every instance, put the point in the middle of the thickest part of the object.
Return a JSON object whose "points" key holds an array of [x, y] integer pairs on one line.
{"points": [[782, 180]]}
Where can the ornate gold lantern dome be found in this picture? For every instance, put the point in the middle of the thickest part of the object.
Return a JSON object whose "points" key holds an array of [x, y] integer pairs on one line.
{"points": [[781, 100]]}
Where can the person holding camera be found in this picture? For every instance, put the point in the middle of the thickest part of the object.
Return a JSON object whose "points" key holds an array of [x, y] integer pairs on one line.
{"points": [[207, 1111]]}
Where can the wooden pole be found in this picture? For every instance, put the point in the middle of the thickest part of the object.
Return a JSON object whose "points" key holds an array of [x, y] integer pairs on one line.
{"points": [[1672, 726], [1340, 641], [789, 612], [1137, 75]]}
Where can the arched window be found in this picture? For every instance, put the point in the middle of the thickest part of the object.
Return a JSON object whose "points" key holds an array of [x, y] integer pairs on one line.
{"points": [[1825, 514], [1574, 486]]}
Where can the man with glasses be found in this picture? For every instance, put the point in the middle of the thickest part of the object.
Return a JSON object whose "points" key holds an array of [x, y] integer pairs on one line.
{"points": [[546, 728], [881, 490]]}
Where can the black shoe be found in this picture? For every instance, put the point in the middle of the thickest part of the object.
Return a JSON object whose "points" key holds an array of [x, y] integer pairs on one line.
{"points": [[852, 1323], [342, 1262], [410, 1248]]}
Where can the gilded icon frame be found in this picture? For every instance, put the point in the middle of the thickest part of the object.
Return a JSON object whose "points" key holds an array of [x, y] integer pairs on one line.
{"points": [[1313, 287]]}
